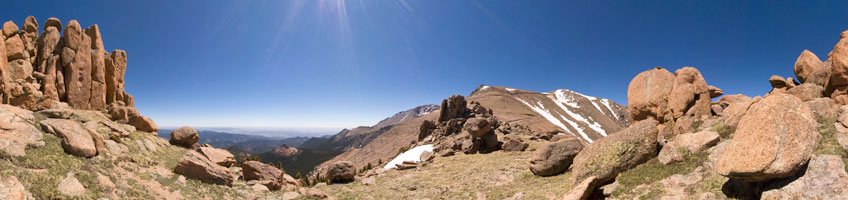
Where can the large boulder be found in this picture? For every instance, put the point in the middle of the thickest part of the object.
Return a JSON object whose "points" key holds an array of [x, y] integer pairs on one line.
{"points": [[218, 156], [838, 59], [78, 72], [810, 69], [689, 87], [12, 189], [479, 126], [513, 143], [691, 142], [555, 157], [97, 100], [266, 174], [10, 28], [16, 131], [76, 140], [453, 107], [196, 166], [822, 108], [824, 178], [774, 139], [647, 94], [184, 136], [806, 91], [735, 111], [608, 156], [341, 171], [734, 98], [714, 91], [15, 48], [143, 123]]}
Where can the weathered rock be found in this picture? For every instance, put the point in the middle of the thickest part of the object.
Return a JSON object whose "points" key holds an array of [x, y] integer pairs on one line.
{"points": [[774, 140], [12, 189], [555, 157], [53, 22], [16, 132], [78, 73], [735, 98], [57, 113], [733, 113], [341, 171], [514, 143], [20, 69], [691, 142], [71, 186], [98, 69], [608, 156], [266, 174], [30, 33], [104, 181], [425, 129], [454, 106], [10, 28], [15, 48], [806, 91], [478, 126], [118, 112], [824, 178], [76, 140], [810, 69], [184, 136], [838, 59], [426, 156], [116, 65], [647, 94], [218, 156], [196, 166], [583, 190], [688, 87], [822, 108], [714, 91], [143, 123]]}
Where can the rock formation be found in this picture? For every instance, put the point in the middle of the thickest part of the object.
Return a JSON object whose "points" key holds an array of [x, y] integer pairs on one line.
{"points": [[184, 136], [775, 138], [555, 157], [663, 96], [62, 64], [341, 171], [607, 157]]}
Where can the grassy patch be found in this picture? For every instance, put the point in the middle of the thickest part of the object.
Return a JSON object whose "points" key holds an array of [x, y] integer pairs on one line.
{"points": [[724, 131], [828, 145], [653, 171]]}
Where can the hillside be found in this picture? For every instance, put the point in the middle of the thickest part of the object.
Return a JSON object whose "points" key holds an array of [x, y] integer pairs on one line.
{"points": [[588, 118], [250, 143]]}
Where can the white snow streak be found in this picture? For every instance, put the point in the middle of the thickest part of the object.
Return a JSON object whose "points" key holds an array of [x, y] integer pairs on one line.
{"points": [[553, 119], [484, 87], [607, 104], [413, 155], [561, 101], [510, 90]]}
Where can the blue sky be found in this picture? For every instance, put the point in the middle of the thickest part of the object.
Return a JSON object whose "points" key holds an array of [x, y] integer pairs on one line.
{"points": [[336, 63]]}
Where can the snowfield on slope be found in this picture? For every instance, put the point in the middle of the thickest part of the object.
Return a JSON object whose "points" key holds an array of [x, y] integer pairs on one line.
{"points": [[413, 155]]}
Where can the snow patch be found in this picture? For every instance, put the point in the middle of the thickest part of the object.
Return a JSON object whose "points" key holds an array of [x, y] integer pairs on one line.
{"points": [[607, 104], [484, 87], [510, 90], [413, 155], [561, 101], [553, 119]]}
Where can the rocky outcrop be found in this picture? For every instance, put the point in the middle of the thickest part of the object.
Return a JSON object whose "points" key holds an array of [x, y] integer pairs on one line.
{"points": [[184, 136], [607, 157], [341, 171], [838, 62], [824, 178], [196, 166], [663, 96], [810, 69], [16, 131], [822, 108], [76, 140], [452, 107], [71, 186], [779, 84], [555, 157], [218, 156], [774, 139], [806, 91], [143, 123], [647, 94], [513, 143], [263, 173], [690, 142]]}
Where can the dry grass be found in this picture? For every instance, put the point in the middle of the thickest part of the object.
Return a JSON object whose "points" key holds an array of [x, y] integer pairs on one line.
{"points": [[496, 175]]}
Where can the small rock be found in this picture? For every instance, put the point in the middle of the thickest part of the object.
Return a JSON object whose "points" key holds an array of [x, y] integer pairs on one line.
{"points": [[71, 186], [583, 190], [143, 123], [369, 181], [104, 181], [514, 143], [555, 157], [12, 189]]}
